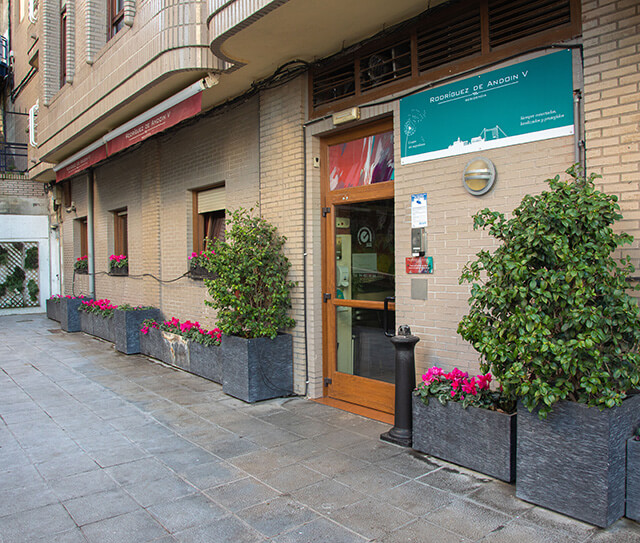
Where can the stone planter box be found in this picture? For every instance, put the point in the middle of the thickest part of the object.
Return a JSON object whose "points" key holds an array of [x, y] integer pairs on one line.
{"points": [[172, 349], [478, 439], [127, 327], [257, 369], [574, 461], [69, 314], [53, 309], [99, 326], [633, 479]]}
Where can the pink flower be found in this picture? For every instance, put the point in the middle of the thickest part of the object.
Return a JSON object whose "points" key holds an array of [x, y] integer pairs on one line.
{"points": [[145, 329]]}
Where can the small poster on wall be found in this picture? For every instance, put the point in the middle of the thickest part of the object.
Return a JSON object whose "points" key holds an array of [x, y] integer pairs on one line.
{"points": [[528, 101], [419, 210]]}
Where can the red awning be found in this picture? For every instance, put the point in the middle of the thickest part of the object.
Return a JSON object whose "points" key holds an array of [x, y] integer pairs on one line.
{"points": [[139, 132], [162, 121], [82, 163]]}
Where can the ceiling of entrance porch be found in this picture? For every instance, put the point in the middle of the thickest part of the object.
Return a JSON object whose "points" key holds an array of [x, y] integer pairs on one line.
{"points": [[260, 40]]}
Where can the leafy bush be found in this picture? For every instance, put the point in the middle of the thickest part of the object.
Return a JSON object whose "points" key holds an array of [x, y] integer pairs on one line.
{"points": [[31, 258], [4, 256], [550, 315], [15, 280], [250, 291], [187, 329], [33, 289], [458, 386]]}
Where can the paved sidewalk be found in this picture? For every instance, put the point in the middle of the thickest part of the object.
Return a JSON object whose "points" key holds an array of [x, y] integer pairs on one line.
{"points": [[101, 447]]}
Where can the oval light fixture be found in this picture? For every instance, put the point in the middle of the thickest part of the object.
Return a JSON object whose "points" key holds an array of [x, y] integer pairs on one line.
{"points": [[479, 176]]}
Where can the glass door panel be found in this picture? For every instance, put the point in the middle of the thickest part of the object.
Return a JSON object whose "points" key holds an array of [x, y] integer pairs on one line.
{"points": [[365, 273]]}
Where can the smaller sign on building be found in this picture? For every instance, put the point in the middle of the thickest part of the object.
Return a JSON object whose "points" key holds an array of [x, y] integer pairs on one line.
{"points": [[528, 101], [166, 119], [419, 264], [82, 163], [419, 217]]}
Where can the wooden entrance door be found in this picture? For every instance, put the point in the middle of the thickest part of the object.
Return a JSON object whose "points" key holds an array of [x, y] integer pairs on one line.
{"points": [[358, 266]]}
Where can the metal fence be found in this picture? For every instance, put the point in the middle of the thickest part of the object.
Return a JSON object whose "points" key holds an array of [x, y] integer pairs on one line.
{"points": [[13, 157]]}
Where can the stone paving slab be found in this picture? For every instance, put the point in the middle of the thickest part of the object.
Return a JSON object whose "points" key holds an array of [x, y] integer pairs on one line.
{"points": [[100, 447]]}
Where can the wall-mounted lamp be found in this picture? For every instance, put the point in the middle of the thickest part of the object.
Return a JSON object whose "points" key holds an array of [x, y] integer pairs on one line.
{"points": [[346, 115], [479, 176]]}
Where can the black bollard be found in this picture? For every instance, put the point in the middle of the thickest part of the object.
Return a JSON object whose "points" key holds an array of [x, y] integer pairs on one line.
{"points": [[402, 431]]}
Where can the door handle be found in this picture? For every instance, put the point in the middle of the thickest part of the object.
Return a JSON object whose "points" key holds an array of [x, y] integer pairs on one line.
{"points": [[385, 316]]}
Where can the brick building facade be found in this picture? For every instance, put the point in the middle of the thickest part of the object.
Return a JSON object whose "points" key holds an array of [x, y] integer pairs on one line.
{"points": [[263, 136]]}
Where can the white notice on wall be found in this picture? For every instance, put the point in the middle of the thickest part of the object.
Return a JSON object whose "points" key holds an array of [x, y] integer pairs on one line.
{"points": [[419, 210]]}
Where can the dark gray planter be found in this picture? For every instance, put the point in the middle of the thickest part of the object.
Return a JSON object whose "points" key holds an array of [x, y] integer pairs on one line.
{"points": [[69, 314], [257, 369], [127, 324], [202, 360], [153, 344], [478, 439], [99, 326], [574, 461], [176, 350], [53, 309], [206, 361], [119, 271], [200, 273], [633, 480]]}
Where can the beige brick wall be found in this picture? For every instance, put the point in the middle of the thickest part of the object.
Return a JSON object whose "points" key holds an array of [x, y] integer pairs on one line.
{"points": [[281, 191], [154, 182], [611, 35]]}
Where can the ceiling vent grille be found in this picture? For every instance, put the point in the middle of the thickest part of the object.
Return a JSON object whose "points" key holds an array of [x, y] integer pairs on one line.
{"points": [[385, 66], [449, 40], [334, 83], [511, 20]]}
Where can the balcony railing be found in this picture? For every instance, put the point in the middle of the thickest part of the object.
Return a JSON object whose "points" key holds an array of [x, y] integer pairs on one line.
{"points": [[4, 56], [13, 157]]}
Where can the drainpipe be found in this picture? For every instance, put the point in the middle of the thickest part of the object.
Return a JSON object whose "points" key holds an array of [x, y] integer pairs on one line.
{"points": [[91, 260]]}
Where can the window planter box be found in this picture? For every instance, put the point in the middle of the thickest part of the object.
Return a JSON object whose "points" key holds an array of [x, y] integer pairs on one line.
{"points": [[119, 271], [69, 314], [478, 439], [199, 273], [82, 272], [633, 480], [99, 326], [53, 309], [172, 349], [257, 369], [127, 324], [574, 461]]}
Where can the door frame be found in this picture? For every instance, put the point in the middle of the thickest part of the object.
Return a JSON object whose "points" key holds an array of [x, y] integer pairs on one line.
{"points": [[356, 390]]}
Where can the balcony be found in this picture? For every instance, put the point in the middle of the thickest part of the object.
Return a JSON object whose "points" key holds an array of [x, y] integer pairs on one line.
{"points": [[4, 57], [13, 157]]}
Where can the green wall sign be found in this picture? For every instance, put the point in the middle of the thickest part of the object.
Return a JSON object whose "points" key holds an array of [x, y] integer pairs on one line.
{"points": [[528, 101]]}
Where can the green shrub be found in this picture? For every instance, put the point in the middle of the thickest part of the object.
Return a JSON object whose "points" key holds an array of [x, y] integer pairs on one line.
{"points": [[550, 315], [33, 289], [4, 256], [250, 292], [31, 258], [15, 280]]}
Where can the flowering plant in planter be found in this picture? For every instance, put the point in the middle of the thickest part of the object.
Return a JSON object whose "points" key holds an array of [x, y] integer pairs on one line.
{"points": [[201, 258], [118, 262], [81, 264], [187, 329], [458, 386], [104, 308]]}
